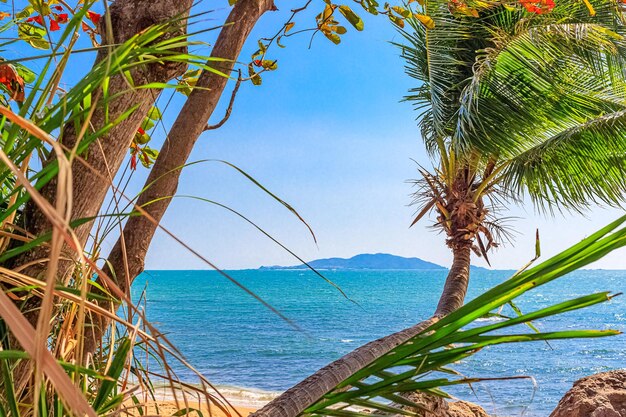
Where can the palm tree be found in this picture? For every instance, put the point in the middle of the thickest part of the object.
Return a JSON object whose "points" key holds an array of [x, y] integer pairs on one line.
{"points": [[514, 101]]}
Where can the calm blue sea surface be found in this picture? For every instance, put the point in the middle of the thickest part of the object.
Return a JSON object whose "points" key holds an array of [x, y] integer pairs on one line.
{"points": [[234, 340]]}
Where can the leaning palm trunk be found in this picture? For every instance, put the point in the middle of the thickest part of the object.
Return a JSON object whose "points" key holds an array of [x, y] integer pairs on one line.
{"points": [[455, 288], [296, 399]]}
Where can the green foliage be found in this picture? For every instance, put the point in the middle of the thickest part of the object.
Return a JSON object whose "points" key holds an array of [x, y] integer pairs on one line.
{"points": [[34, 35], [35, 115], [331, 22], [539, 96]]}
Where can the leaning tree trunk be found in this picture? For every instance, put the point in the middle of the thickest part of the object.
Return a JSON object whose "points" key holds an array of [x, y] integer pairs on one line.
{"points": [[455, 288], [296, 399], [106, 154], [126, 260]]}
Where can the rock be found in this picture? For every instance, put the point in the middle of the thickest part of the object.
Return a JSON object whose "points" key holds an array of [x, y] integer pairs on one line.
{"points": [[465, 409], [439, 407], [600, 395]]}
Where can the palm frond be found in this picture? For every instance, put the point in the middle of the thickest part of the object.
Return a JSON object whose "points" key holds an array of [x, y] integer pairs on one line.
{"points": [[580, 166], [436, 59], [508, 85], [544, 79]]}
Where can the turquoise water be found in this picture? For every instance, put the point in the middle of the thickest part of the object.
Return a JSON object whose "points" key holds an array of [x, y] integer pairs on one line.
{"points": [[234, 340]]}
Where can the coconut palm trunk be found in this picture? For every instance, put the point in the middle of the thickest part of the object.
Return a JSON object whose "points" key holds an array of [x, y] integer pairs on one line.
{"points": [[455, 288], [296, 399]]}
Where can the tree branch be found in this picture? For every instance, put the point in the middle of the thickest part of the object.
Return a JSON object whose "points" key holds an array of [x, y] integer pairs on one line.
{"points": [[230, 106]]}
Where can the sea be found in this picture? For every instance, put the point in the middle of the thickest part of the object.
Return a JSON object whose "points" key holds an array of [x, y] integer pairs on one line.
{"points": [[252, 353]]}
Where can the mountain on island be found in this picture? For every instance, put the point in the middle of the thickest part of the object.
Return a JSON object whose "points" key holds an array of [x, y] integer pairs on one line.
{"points": [[366, 261]]}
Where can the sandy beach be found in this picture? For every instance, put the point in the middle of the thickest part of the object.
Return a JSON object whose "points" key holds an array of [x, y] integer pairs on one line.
{"points": [[239, 402], [169, 408]]}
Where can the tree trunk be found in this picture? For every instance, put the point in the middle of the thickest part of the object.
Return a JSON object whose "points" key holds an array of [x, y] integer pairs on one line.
{"points": [[126, 260], [106, 155], [297, 398], [457, 281]]}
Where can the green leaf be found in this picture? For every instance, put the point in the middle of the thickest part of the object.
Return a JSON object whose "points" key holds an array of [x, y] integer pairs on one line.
{"points": [[33, 35], [142, 139], [147, 123], [26, 12], [154, 114], [27, 75], [401, 11], [254, 77], [269, 64], [333, 37], [351, 17], [398, 21], [115, 370], [152, 153], [193, 73]]}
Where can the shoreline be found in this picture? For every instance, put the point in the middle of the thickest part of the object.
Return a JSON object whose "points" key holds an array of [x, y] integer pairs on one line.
{"points": [[243, 399]]}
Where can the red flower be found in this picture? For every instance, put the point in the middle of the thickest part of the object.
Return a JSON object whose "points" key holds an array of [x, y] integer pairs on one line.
{"points": [[58, 8], [133, 161], [85, 27], [12, 81], [141, 131], [258, 62], [54, 25], [538, 6], [62, 18], [94, 17], [37, 19]]}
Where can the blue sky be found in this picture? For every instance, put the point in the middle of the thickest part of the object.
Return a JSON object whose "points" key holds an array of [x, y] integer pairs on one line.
{"points": [[327, 132]]}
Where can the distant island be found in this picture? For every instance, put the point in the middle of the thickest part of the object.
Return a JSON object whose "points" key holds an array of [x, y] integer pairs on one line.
{"points": [[367, 261]]}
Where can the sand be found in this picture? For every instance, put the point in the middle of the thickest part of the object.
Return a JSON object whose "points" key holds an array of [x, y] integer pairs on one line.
{"points": [[242, 403], [168, 408]]}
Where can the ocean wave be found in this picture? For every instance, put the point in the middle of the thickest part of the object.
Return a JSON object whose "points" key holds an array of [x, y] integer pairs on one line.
{"points": [[247, 397], [489, 319], [237, 396]]}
